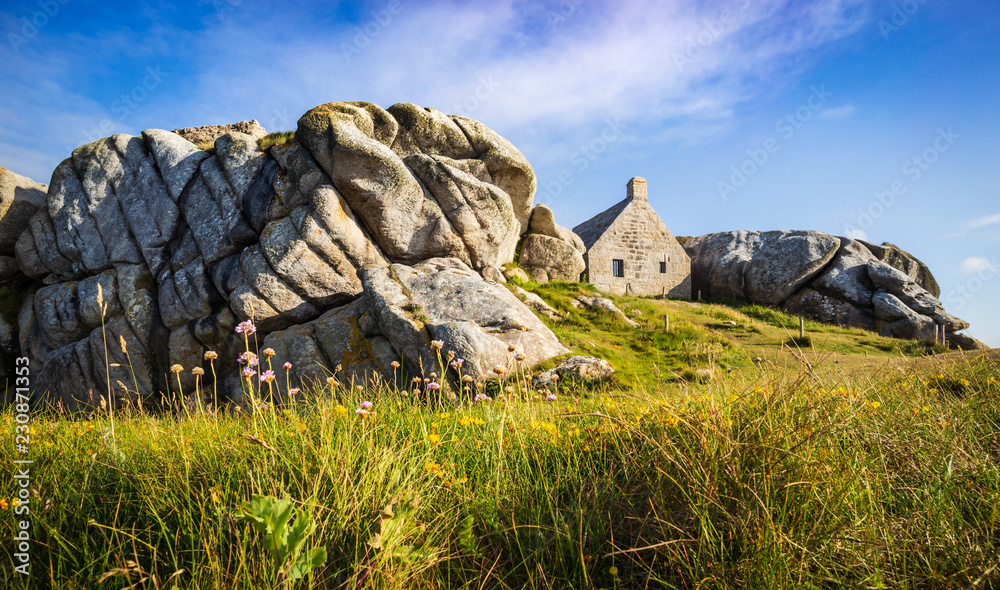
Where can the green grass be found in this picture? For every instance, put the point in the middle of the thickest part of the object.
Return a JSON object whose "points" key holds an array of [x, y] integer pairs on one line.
{"points": [[276, 138], [646, 355], [799, 470], [724, 334], [781, 319]]}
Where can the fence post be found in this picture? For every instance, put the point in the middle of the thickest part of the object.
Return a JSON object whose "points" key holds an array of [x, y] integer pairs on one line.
{"points": [[666, 323], [802, 327]]}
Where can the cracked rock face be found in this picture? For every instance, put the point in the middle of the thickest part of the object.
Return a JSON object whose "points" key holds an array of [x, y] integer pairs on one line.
{"points": [[763, 267], [551, 252], [832, 279], [20, 198], [177, 245], [404, 308]]}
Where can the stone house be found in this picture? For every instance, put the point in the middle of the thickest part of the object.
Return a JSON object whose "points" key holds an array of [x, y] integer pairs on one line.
{"points": [[630, 250]]}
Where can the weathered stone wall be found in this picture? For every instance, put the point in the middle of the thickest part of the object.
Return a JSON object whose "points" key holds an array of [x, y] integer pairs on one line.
{"points": [[642, 241]]}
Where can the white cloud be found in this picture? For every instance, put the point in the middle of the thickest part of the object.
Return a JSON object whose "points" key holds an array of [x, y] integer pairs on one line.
{"points": [[984, 221], [836, 113], [658, 66], [977, 264]]}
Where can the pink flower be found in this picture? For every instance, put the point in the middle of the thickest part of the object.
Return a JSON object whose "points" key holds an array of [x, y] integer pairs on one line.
{"points": [[246, 327], [287, 365], [434, 385], [481, 397], [248, 372], [361, 412], [550, 397], [366, 405], [267, 376], [293, 391], [457, 363], [249, 359]]}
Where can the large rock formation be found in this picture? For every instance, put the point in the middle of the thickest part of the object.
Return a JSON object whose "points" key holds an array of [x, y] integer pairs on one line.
{"points": [[207, 134], [762, 267], [551, 252], [405, 308], [20, 198], [828, 278], [156, 243]]}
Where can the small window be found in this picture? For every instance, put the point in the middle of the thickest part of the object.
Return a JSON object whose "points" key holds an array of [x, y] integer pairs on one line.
{"points": [[618, 268], [663, 267]]}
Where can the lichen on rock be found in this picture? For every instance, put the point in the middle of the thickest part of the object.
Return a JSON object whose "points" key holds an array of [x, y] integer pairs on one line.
{"points": [[298, 237], [828, 278]]}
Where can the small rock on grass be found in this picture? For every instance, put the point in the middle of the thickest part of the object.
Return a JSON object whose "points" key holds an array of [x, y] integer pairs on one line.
{"points": [[586, 368], [607, 305]]}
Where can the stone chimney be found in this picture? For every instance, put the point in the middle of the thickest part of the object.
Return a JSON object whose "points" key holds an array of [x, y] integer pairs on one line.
{"points": [[637, 189]]}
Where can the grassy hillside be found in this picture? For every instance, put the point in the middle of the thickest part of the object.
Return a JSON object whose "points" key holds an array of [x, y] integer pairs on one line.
{"points": [[724, 336], [850, 462]]}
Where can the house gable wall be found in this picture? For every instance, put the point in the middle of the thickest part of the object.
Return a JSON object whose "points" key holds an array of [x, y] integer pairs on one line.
{"points": [[639, 238]]}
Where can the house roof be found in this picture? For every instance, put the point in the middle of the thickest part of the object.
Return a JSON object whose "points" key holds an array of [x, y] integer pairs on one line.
{"points": [[591, 230]]}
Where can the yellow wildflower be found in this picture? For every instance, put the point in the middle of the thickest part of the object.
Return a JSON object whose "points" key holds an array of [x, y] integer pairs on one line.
{"points": [[433, 468]]}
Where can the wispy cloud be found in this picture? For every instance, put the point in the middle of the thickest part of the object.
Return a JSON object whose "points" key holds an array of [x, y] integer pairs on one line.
{"points": [[977, 264], [837, 113], [556, 76], [658, 65], [984, 221]]}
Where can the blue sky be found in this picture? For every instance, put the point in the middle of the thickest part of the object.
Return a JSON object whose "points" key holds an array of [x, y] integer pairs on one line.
{"points": [[872, 119]]}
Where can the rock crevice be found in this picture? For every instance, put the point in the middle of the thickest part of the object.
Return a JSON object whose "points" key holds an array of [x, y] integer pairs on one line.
{"points": [[187, 242], [828, 278]]}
